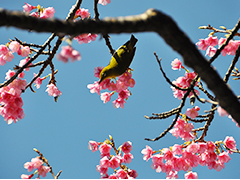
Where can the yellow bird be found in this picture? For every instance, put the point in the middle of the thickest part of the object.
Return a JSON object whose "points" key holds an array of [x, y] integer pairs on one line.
{"points": [[120, 60]]}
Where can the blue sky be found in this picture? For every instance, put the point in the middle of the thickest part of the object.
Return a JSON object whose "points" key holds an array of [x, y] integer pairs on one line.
{"points": [[61, 130]]}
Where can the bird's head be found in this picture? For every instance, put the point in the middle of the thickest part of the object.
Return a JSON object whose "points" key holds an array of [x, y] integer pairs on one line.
{"points": [[103, 75], [107, 72]]}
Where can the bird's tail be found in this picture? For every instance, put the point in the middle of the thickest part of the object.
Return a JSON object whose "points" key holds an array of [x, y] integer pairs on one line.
{"points": [[133, 41]]}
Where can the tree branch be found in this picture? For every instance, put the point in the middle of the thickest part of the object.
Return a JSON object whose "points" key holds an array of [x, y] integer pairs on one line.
{"points": [[150, 21]]}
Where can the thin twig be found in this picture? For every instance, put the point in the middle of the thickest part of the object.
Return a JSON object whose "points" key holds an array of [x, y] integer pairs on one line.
{"points": [[231, 67], [177, 115], [234, 31], [165, 76], [29, 62], [46, 162], [105, 36]]}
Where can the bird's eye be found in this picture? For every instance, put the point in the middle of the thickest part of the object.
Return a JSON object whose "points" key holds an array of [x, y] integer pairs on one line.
{"points": [[104, 74]]}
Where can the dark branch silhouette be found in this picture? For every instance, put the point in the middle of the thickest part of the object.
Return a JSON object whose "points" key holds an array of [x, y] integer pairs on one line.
{"points": [[150, 21]]}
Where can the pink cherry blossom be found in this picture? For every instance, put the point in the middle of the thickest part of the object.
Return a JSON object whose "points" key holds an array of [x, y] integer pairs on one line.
{"points": [[147, 153], [106, 96], [181, 164], [9, 74], [183, 82], [172, 175], [53, 90], [218, 166], [168, 166], [38, 81], [68, 52], [121, 85], [3, 49], [211, 51], [95, 87], [127, 147], [230, 142], [202, 45], [131, 83], [104, 2], [76, 56], [105, 84], [28, 8], [157, 159], [125, 76], [127, 158], [210, 146], [191, 175], [34, 164], [132, 173], [11, 101], [192, 113], [211, 41], [8, 56], [83, 13], [104, 162], [23, 62], [14, 46], [47, 13], [2, 60], [183, 130], [101, 170], [168, 155], [43, 170], [176, 64], [224, 157], [221, 111], [193, 147], [177, 149], [202, 147], [29, 166], [21, 75], [115, 162], [23, 51], [121, 174], [34, 14], [25, 176], [112, 176], [85, 38], [62, 58], [231, 48], [93, 146], [97, 71], [105, 148], [119, 102]]}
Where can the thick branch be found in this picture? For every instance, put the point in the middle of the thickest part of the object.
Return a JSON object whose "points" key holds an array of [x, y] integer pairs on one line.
{"points": [[150, 21]]}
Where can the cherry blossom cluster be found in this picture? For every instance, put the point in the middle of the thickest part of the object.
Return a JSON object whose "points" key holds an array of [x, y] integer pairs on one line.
{"points": [[182, 81], [122, 157], [37, 164], [85, 38], [183, 128], [52, 89], [10, 98], [68, 52], [80, 14], [41, 12], [191, 154], [6, 51], [120, 86], [211, 41]]}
